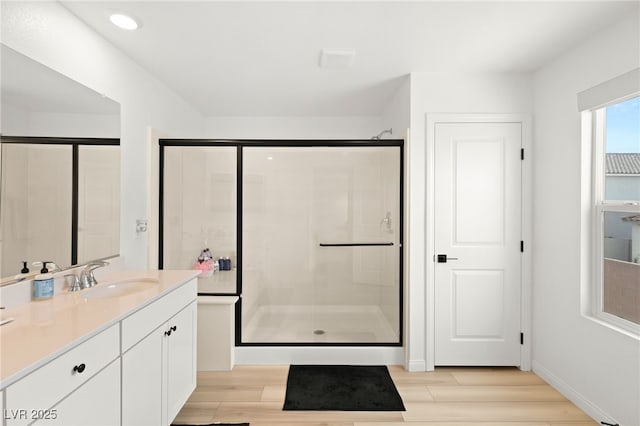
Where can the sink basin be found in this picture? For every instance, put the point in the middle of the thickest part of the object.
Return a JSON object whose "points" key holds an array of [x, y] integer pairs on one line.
{"points": [[119, 288]]}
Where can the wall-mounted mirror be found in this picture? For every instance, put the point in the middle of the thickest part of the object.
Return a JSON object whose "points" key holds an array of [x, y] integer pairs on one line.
{"points": [[60, 168]]}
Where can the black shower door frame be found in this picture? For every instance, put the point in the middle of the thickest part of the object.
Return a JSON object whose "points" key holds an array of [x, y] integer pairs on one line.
{"points": [[240, 145]]}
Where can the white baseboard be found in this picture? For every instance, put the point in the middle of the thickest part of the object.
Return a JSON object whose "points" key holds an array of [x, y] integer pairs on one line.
{"points": [[572, 395], [282, 355], [416, 365]]}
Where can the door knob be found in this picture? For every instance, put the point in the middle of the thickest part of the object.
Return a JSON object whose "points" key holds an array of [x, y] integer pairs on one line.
{"points": [[442, 258]]}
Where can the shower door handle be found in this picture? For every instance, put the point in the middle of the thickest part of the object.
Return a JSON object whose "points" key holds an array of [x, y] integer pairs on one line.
{"points": [[354, 244]]}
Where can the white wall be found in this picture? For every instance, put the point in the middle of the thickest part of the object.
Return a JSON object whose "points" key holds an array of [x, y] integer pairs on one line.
{"points": [[443, 93], [73, 125], [14, 120], [20, 122], [397, 114], [355, 127], [597, 367], [51, 35]]}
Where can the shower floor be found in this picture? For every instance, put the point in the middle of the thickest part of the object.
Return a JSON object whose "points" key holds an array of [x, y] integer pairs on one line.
{"points": [[319, 324]]}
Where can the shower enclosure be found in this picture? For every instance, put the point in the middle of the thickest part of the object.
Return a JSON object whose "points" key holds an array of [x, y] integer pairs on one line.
{"points": [[318, 253]]}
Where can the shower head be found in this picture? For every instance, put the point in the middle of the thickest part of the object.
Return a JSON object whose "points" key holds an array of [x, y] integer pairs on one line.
{"points": [[379, 135]]}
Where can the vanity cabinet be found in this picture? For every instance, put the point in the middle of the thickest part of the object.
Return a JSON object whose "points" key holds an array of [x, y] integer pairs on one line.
{"points": [[159, 370], [140, 370]]}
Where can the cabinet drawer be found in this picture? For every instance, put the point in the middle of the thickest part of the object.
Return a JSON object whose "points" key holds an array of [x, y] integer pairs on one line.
{"points": [[96, 403], [50, 383], [147, 319]]}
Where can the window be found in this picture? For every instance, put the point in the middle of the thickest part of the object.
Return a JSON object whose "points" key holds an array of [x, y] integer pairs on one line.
{"points": [[616, 195]]}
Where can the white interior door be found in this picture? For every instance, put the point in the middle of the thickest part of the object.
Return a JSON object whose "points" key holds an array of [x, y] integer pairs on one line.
{"points": [[478, 228]]}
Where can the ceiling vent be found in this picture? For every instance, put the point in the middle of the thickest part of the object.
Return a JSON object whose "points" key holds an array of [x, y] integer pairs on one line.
{"points": [[337, 58]]}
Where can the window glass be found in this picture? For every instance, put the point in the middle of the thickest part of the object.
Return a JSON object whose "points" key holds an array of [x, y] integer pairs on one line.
{"points": [[621, 266], [619, 228], [622, 151], [618, 236]]}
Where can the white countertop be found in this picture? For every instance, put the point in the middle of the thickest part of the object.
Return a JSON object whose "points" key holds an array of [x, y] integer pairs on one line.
{"points": [[219, 282], [217, 300], [42, 330]]}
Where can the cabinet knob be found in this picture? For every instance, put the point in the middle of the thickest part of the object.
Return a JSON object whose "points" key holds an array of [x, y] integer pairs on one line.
{"points": [[174, 328], [167, 333], [79, 368]]}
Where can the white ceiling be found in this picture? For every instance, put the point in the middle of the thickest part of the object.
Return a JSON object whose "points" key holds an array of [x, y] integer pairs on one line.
{"points": [[261, 58]]}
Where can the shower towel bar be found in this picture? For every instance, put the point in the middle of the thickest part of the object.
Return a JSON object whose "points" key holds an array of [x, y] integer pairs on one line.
{"points": [[354, 244]]}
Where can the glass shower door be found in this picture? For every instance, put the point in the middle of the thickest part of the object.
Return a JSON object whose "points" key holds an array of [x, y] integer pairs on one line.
{"points": [[200, 214], [321, 245]]}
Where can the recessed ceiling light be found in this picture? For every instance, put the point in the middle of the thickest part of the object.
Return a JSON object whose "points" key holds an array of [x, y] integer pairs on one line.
{"points": [[123, 21]]}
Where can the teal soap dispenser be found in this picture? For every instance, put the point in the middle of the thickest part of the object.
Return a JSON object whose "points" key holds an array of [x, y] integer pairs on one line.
{"points": [[43, 284]]}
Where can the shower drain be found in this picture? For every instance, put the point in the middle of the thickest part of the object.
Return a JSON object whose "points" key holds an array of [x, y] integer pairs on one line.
{"points": [[318, 332]]}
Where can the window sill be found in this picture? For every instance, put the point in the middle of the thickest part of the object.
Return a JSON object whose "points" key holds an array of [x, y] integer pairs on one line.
{"points": [[616, 324]]}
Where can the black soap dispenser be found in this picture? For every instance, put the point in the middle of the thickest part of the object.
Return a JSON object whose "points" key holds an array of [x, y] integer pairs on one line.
{"points": [[25, 268]]}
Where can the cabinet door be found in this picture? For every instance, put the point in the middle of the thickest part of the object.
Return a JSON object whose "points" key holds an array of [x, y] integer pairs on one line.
{"points": [[181, 359], [142, 374], [96, 402]]}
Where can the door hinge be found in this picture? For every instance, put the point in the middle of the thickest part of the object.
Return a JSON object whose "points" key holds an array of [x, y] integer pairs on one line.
{"points": [[522, 338], [521, 246], [522, 153]]}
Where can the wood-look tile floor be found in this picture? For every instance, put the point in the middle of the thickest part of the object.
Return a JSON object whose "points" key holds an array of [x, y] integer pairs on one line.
{"points": [[445, 397]]}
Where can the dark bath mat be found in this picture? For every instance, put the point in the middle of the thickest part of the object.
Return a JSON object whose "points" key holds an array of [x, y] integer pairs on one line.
{"points": [[341, 387]]}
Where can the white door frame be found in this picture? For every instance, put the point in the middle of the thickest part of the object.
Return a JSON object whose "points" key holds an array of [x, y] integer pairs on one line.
{"points": [[525, 302]]}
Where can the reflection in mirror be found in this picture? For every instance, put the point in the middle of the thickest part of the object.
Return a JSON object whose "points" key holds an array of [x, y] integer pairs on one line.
{"points": [[36, 204], [60, 169], [98, 202]]}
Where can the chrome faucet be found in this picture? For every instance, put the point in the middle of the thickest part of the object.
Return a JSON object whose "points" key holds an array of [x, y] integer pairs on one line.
{"points": [[87, 279], [75, 282]]}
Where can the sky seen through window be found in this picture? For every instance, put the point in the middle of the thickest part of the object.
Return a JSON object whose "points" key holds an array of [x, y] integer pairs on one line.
{"points": [[623, 127]]}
